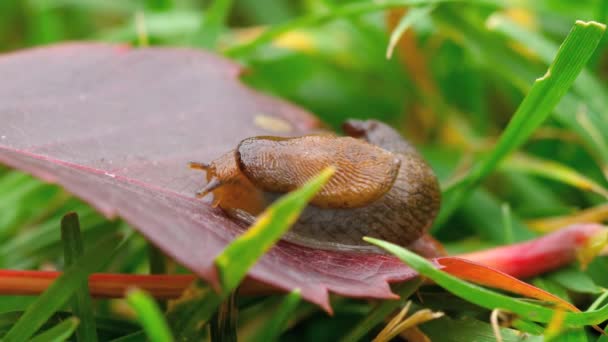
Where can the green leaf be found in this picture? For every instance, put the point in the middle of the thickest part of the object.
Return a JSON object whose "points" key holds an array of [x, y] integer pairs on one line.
{"points": [[538, 104], [272, 329], [57, 295], [233, 263], [484, 297], [409, 19], [60, 332], [81, 301], [381, 311], [149, 316]]}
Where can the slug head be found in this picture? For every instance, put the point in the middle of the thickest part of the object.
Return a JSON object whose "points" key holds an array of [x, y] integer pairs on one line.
{"points": [[230, 188]]}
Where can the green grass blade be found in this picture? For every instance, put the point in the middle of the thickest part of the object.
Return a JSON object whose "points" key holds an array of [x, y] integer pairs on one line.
{"points": [[484, 297], [81, 302], [188, 318], [58, 333], [272, 329], [223, 324], [149, 315], [553, 170], [380, 312], [133, 337], [350, 10], [242, 253], [586, 85], [538, 104], [213, 23], [159, 5], [409, 19], [232, 264], [158, 265], [61, 290]]}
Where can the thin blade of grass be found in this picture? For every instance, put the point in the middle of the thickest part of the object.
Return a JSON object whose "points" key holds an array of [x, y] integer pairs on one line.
{"points": [[409, 19], [190, 313], [213, 23], [149, 316], [586, 85], [61, 290], [536, 107], [350, 10], [232, 264], [236, 259], [484, 297], [158, 265], [58, 333], [272, 329], [381, 311], [133, 337], [159, 5], [553, 170], [81, 301], [223, 324]]}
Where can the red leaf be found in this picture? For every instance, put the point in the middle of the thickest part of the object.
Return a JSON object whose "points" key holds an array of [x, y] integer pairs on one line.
{"points": [[487, 276], [116, 126], [548, 252]]}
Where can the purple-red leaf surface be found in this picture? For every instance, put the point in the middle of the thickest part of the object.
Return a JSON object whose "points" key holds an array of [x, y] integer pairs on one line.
{"points": [[117, 127]]}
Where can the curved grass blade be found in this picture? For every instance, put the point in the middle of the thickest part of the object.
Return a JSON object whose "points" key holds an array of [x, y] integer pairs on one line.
{"points": [[553, 170], [234, 262], [536, 107], [223, 324], [272, 329], [242, 253], [586, 85], [409, 19], [81, 301], [60, 332], [149, 316], [137, 336], [213, 22], [62, 289], [349, 10], [484, 297], [550, 224]]}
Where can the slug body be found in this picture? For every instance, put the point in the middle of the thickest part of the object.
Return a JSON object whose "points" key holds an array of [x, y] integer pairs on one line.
{"points": [[382, 187]]}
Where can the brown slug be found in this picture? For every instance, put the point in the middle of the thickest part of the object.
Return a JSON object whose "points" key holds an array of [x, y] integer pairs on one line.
{"points": [[382, 187]]}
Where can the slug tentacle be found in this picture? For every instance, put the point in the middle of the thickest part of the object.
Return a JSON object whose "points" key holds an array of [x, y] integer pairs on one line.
{"points": [[382, 187]]}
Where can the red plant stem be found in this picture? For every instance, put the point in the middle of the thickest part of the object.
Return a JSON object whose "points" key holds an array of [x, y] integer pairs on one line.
{"points": [[103, 285], [519, 260]]}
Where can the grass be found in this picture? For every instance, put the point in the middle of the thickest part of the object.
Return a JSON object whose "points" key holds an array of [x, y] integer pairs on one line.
{"points": [[512, 149]]}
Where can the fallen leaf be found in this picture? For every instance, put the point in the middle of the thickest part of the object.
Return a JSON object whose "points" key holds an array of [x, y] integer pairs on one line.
{"points": [[117, 127]]}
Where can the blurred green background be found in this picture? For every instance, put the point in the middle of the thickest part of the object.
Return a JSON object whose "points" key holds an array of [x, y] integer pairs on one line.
{"points": [[454, 80]]}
